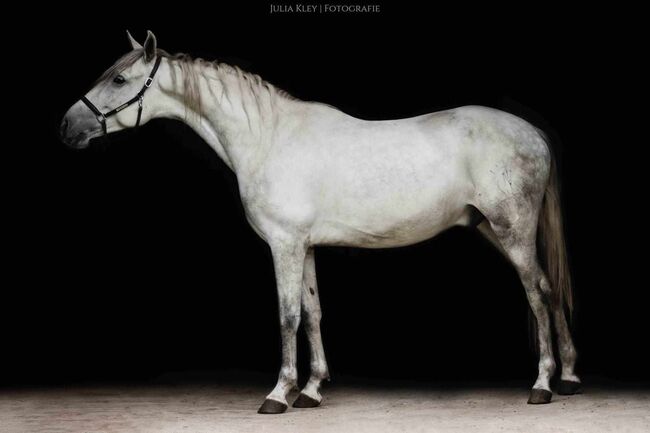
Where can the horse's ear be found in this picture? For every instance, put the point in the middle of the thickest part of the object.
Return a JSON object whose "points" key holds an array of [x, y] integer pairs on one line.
{"points": [[150, 47], [134, 44]]}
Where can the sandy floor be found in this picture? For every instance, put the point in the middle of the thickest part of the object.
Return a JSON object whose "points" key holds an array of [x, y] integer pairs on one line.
{"points": [[215, 406]]}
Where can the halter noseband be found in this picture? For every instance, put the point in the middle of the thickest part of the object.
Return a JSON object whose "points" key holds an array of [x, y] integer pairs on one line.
{"points": [[101, 117]]}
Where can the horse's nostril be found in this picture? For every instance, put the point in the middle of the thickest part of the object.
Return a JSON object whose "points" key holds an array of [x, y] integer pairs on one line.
{"points": [[64, 128]]}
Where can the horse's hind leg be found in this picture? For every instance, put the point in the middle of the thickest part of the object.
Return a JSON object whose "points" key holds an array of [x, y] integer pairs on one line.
{"points": [[569, 382], [486, 230], [517, 238], [311, 313]]}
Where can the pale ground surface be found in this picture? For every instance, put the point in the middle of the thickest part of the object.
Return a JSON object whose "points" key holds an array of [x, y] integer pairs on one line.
{"points": [[359, 407]]}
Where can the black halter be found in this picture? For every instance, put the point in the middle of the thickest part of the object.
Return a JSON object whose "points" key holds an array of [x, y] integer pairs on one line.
{"points": [[101, 117]]}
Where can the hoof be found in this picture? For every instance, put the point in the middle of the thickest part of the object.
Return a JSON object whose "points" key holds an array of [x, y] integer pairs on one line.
{"points": [[304, 401], [272, 407], [539, 396], [569, 387]]}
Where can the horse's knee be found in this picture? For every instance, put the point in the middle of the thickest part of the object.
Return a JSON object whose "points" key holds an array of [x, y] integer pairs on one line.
{"points": [[311, 319], [289, 322]]}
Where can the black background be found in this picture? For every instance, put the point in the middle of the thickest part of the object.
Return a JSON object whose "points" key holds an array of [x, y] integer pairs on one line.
{"points": [[133, 258]]}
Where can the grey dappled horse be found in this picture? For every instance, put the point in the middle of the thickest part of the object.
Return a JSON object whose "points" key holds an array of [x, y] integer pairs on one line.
{"points": [[310, 175]]}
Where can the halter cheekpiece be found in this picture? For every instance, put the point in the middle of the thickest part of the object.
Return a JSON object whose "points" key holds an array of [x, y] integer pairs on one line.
{"points": [[101, 117]]}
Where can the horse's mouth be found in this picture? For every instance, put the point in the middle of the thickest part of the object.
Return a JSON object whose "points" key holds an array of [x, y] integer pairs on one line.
{"points": [[81, 140]]}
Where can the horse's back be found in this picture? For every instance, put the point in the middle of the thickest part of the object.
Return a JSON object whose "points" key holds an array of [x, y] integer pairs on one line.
{"points": [[467, 151]]}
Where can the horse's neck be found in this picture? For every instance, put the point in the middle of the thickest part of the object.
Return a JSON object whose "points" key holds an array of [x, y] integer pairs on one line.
{"points": [[239, 117]]}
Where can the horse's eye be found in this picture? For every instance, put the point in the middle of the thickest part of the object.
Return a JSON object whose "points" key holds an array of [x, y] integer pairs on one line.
{"points": [[119, 79]]}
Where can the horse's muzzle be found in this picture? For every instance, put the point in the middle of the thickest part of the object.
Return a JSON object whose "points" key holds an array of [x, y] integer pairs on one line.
{"points": [[78, 127]]}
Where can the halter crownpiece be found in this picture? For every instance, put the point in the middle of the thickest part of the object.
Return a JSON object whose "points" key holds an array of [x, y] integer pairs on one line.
{"points": [[101, 117]]}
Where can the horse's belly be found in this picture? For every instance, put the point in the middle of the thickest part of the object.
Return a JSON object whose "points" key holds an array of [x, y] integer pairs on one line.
{"points": [[395, 219], [338, 233]]}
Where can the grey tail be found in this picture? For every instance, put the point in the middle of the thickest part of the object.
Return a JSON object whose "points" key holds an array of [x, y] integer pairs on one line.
{"points": [[551, 249]]}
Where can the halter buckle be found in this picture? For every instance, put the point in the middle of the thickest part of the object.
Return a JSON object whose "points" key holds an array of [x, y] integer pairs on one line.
{"points": [[148, 82]]}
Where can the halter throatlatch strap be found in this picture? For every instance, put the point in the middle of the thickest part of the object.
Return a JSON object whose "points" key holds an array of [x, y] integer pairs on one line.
{"points": [[101, 117]]}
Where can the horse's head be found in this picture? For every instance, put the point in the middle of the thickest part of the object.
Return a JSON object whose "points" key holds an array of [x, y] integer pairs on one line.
{"points": [[116, 100]]}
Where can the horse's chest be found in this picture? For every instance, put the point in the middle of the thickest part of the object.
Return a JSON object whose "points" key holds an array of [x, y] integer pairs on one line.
{"points": [[275, 204]]}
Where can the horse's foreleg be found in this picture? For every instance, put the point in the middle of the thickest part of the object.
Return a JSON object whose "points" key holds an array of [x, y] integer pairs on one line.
{"points": [[310, 395], [288, 261]]}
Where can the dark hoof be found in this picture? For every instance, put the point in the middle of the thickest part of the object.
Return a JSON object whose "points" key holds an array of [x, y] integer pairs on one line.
{"points": [[272, 407], [304, 401], [539, 396], [569, 387]]}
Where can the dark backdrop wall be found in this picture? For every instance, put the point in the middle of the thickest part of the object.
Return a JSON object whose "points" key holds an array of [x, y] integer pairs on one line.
{"points": [[133, 258]]}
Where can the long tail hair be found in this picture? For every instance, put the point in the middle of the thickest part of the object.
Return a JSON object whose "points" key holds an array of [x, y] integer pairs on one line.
{"points": [[551, 250]]}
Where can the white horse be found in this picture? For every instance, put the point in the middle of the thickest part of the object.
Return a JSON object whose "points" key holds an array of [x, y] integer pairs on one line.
{"points": [[310, 175]]}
